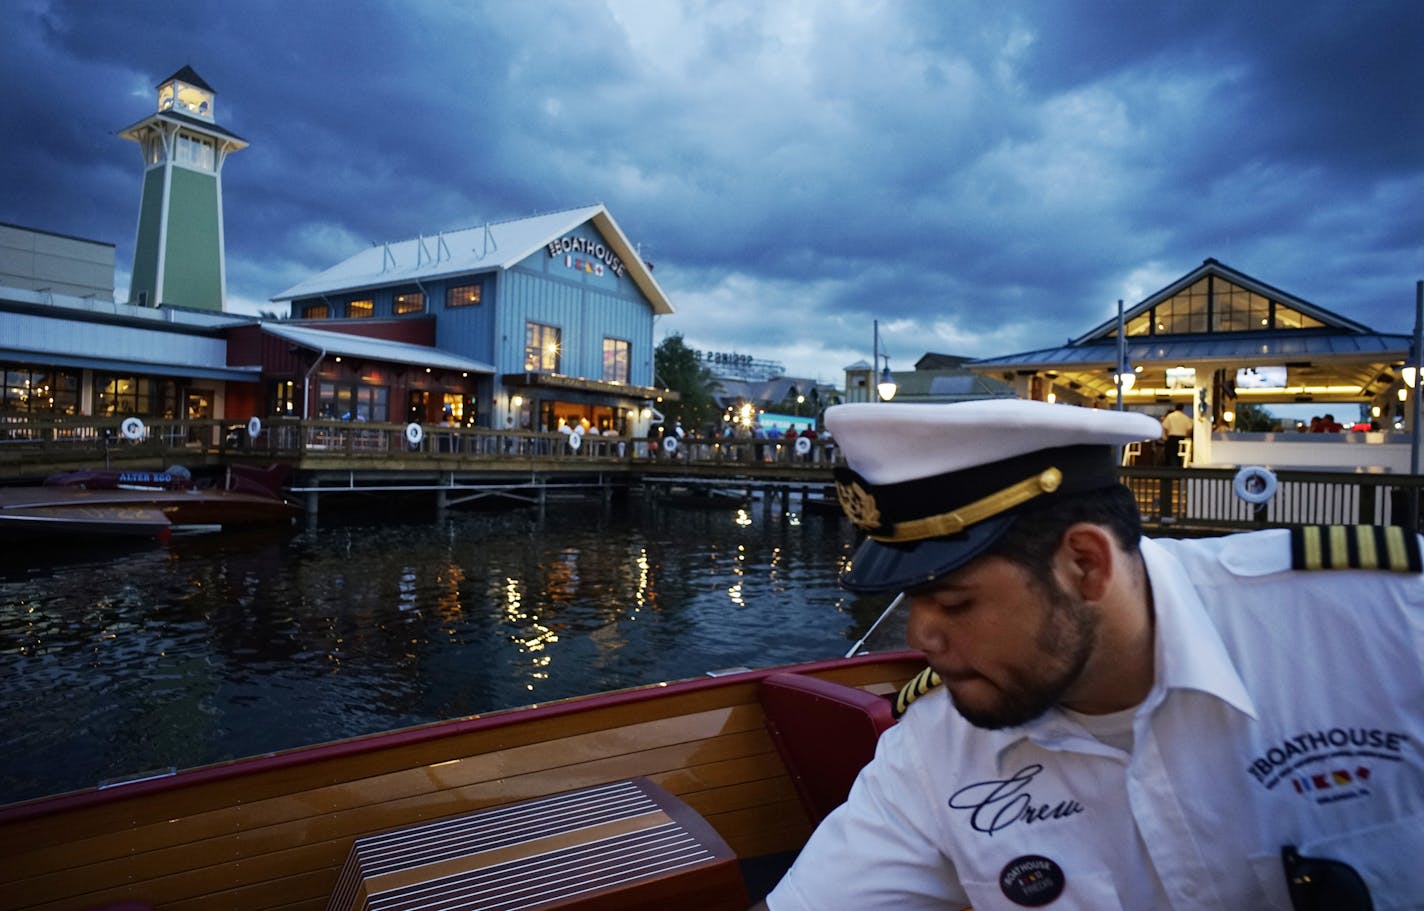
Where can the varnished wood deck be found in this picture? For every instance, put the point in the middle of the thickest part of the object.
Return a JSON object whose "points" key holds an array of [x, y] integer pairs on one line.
{"points": [[272, 832]]}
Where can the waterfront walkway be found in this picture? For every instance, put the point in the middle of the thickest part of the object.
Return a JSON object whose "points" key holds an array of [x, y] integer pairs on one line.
{"points": [[461, 464]]}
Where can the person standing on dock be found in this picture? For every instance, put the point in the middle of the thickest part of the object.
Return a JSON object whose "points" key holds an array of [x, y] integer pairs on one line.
{"points": [[1176, 427], [1108, 720]]}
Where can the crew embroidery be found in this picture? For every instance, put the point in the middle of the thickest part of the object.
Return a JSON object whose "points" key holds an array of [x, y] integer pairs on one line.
{"points": [[996, 804]]}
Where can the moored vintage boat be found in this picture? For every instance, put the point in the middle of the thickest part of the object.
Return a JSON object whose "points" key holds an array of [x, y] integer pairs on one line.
{"points": [[128, 503], [274, 831]]}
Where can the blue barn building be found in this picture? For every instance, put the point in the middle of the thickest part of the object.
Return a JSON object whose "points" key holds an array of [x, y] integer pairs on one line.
{"points": [[556, 311]]}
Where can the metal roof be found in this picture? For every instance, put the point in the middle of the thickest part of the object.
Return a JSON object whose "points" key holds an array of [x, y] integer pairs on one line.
{"points": [[1108, 328], [374, 349], [483, 248], [1255, 347]]}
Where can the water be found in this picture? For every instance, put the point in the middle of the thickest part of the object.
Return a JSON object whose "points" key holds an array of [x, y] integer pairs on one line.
{"points": [[120, 661]]}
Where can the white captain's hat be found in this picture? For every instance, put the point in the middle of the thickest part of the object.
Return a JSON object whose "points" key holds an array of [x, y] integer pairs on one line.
{"points": [[933, 486]]}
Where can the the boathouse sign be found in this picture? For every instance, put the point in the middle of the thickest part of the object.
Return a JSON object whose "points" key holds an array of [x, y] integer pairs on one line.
{"points": [[599, 253]]}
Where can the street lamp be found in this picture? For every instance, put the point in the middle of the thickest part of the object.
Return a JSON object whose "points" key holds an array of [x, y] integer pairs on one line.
{"points": [[885, 388]]}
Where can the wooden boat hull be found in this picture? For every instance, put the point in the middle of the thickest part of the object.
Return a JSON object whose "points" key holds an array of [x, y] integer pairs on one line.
{"points": [[273, 831], [60, 509]]}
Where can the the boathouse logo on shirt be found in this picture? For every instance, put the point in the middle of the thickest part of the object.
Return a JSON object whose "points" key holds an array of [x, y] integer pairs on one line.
{"points": [[1329, 764]]}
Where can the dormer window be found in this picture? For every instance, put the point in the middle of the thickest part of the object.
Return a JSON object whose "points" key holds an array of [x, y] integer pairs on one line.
{"points": [[183, 98]]}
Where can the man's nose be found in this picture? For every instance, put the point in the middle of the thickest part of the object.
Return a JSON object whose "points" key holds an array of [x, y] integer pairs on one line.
{"points": [[921, 630]]}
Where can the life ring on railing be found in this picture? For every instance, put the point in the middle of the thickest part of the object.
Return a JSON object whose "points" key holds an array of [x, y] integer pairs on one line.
{"points": [[670, 445], [254, 427], [414, 433], [803, 445], [131, 428], [1255, 484], [575, 441]]}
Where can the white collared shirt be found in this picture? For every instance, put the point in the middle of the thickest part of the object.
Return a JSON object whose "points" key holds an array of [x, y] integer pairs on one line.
{"points": [[1288, 710]]}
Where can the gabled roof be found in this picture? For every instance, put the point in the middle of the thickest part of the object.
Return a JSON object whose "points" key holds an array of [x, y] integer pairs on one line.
{"points": [[484, 248], [1108, 328], [1321, 349], [373, 349], [187, 74]]}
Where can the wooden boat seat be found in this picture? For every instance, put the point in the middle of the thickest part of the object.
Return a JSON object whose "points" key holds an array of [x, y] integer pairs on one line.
{"points": [[625, 845], [826, 732]]}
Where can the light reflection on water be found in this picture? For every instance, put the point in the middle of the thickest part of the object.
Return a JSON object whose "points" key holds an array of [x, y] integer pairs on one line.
{"points": [[119, 662]]}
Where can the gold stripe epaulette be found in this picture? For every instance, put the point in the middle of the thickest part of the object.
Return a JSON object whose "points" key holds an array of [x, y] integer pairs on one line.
{"points": [[1386, 547], [920, 684]]}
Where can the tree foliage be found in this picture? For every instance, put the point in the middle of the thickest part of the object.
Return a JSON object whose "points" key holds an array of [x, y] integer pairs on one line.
{"points": [[676, 367], [1252, 418]]}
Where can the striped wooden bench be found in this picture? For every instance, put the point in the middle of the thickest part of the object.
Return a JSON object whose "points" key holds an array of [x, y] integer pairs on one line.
{"points": [[625, 845]]}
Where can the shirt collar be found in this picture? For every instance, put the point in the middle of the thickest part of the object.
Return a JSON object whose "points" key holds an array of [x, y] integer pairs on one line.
{"points": [[1188, 651]]}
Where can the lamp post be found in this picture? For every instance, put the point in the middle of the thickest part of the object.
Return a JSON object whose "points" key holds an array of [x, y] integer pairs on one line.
{"points": [[885, 387]]}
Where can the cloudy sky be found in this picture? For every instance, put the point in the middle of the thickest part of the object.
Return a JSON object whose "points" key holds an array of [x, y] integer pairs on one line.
{"points": [[980, 177]]}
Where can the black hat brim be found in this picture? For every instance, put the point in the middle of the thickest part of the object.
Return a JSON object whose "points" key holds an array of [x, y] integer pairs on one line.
{"points": [[878, 567]]}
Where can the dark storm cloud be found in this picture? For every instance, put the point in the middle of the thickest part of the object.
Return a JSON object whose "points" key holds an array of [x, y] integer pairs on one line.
{"points": [[981, 178]]}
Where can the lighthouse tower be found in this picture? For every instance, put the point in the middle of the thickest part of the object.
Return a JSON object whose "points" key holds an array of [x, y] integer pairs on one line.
{"points": [[178, 254]]}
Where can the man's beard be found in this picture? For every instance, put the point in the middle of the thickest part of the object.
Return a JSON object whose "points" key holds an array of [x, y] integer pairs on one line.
{"points": [[1065, 641]]}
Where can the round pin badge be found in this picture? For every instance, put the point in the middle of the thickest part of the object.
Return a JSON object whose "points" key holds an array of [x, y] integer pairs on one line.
{"points": [[1031, 881]]}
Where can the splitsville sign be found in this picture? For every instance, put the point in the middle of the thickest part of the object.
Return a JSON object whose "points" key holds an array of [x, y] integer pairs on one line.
{"points": [[602, 255]]}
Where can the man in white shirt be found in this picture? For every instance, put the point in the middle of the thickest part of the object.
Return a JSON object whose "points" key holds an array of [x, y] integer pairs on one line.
{"points": [[1176, 427], [1122, 722]]}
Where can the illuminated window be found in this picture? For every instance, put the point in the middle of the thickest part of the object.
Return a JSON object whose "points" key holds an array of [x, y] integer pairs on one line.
{"points": [[37, 391], [361, 309], [410, 302], [462, 296], [316, 311], [284, 397], [124, 395], [194, 152], [541, 348], [616, 355], [349, 402]]}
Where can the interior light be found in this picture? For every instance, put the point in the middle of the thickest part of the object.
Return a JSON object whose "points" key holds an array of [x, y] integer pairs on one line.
{"points": [[1052, 397], [1408, 374], [516, 400], [1228, 416]]}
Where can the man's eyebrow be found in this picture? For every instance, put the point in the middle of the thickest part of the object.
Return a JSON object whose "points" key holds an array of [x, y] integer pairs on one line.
{"points": [[949, 583]]}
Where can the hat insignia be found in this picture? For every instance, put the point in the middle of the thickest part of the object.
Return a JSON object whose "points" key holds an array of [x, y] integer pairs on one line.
{"points": [[858, 504]]}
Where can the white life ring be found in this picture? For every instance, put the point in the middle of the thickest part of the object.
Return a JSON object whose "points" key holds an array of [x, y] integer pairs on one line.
{"points": [[803, 445], [1255, 484], [131, 428], [670, 444], [254, 427], [414, 433], [575, 441]]}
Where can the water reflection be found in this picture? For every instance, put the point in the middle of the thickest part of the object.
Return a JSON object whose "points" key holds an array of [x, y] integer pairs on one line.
{"points": [[119, 662]]}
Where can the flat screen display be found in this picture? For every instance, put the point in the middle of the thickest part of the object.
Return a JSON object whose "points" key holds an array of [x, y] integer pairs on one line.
{"points": [[1261, 378]]}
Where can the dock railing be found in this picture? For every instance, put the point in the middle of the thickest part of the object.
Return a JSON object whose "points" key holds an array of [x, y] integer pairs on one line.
{"points": [[1171, 499]]}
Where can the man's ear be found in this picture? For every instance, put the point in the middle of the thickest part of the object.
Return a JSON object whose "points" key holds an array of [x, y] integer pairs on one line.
{"points": [[1085, 560]]}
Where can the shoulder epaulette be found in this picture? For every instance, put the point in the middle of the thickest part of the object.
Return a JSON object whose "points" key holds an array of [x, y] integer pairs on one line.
{"points": [[1387, 547], [920, 684]]}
